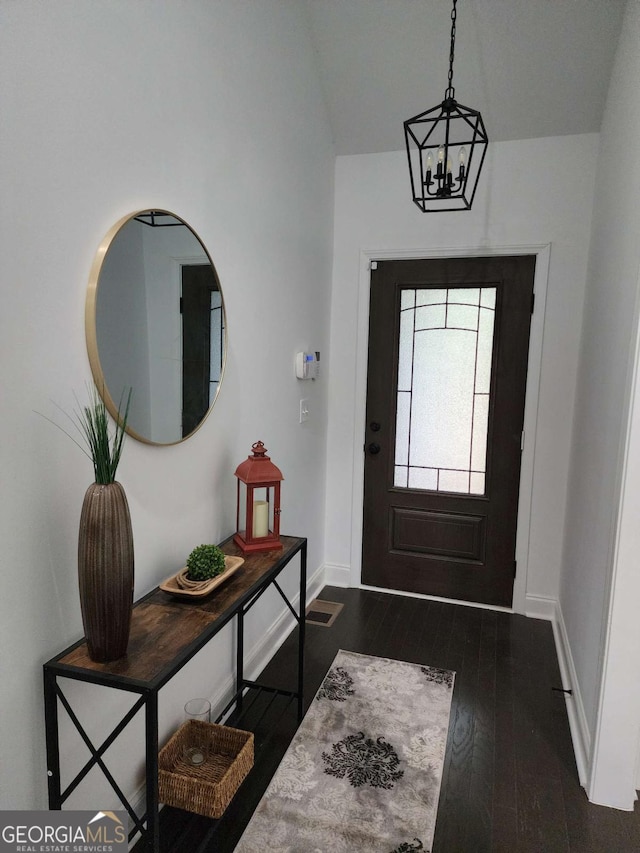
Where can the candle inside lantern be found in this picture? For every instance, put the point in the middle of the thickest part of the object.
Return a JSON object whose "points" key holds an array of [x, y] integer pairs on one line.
{"points": [[260, 519]]}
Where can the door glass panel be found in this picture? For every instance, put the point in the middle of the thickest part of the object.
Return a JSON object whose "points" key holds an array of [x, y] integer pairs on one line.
{"points": [[405, 354], [444, 380], [430, 316], [402, 430], [429, 297], [422, 478]]}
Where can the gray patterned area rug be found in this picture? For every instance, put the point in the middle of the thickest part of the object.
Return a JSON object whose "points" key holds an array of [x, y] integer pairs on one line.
{"points": [[363, 771]]}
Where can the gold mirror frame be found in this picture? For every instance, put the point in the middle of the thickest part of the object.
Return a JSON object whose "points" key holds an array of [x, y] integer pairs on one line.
{"points": [[91, 330]]}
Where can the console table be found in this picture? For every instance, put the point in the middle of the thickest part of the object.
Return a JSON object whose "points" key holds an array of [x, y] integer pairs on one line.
{"points": [[167, 632]]}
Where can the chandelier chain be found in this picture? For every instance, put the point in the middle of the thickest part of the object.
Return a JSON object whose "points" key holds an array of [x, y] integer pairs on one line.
{"points": [[450, 93]]}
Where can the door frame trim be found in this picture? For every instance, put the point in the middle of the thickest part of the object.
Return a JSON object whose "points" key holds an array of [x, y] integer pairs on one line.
{"points": [[542, 251]]}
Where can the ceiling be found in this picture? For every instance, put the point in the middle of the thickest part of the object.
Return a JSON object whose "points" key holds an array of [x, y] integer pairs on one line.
{"points": [[532, 67]]}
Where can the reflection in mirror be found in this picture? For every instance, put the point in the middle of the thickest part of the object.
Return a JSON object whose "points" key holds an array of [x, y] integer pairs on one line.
{"points": [[155, 323]]}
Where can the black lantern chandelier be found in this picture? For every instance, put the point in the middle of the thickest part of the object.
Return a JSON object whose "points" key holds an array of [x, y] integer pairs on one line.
{"points": [[446, 146]]}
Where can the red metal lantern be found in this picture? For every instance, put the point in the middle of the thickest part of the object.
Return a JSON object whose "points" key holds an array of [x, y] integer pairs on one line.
{"points": [[258, 507]]}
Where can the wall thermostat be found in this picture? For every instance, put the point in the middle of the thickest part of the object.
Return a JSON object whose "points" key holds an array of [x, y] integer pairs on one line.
{"points": [[307, 365]]}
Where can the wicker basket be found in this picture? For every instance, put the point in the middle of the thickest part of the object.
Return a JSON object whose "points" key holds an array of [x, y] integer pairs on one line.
{"points": [[206, 789]]}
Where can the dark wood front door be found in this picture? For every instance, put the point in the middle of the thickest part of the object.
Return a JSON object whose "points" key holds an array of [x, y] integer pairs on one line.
{"points": [[447, 369]]}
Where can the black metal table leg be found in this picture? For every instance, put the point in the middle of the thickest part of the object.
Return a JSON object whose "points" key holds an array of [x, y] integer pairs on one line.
{"points": [[151, 736], [301, 629], [51, 734], [239, 659]]}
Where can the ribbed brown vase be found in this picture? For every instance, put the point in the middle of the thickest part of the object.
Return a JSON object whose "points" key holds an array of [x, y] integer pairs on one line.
{"points": [[105, 570]]}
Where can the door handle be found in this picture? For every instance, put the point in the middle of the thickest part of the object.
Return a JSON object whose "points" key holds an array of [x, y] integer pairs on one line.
{"points": [[374, 448]]}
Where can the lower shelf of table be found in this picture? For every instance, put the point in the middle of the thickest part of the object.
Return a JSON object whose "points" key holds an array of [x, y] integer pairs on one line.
{"points": [[272, 716]]}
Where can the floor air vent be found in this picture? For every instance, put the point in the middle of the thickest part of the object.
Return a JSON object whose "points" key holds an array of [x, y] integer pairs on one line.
{"points": [[323, 612]]}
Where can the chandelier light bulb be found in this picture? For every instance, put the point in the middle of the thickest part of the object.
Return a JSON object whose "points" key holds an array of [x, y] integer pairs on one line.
{"points": [[462, 156]]}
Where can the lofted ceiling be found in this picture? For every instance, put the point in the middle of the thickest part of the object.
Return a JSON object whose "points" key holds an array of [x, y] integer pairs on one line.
{"points": [[532, 67]]}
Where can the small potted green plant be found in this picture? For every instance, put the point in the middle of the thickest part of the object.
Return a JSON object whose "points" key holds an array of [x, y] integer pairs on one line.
{"points": [[207, 566], [205, 562]]}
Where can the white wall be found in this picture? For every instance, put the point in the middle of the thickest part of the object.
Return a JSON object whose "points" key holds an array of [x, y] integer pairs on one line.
{"points": [[211, 110], [603, 505], [533, 192]]}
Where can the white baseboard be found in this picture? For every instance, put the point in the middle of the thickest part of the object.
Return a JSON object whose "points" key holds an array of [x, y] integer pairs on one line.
{"points": [[580, 734], [139, 805], [539, 607], [255, 661], [337, 575]]}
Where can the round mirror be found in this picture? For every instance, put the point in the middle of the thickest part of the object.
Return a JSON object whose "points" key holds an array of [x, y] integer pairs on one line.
{"points": [[155, 324]]}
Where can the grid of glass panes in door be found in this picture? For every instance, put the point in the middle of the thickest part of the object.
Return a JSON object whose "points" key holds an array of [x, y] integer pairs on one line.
{"points": [[444, 379]]}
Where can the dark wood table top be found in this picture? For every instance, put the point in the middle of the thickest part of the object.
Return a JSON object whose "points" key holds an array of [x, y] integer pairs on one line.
{"points": [[166, 631]]}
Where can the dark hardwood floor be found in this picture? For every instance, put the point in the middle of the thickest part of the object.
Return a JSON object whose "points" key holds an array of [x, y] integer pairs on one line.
{"points": [[510, 783]]}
